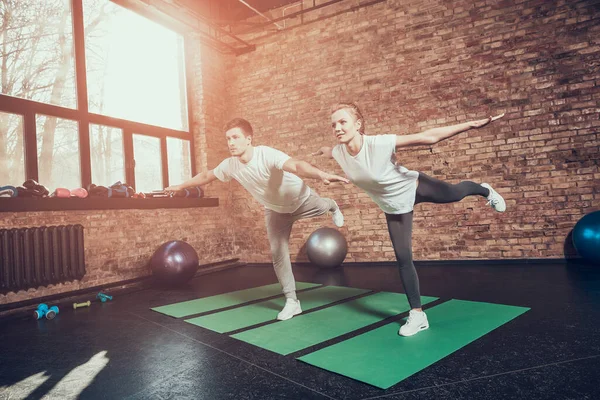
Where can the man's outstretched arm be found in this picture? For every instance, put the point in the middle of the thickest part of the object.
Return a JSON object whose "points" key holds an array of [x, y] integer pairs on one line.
{"points": [[200, 179]]}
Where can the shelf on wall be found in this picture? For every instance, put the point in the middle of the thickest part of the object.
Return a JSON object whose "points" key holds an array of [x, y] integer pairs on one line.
{"points": [[19, 204]]}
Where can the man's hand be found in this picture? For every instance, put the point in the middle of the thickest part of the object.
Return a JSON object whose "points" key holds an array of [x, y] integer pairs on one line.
{"points": [[328, 178], [172, 189], [483, 122]]}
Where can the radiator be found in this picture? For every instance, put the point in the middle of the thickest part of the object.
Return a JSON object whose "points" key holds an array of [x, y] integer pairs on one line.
{"points": [[32, 257]]}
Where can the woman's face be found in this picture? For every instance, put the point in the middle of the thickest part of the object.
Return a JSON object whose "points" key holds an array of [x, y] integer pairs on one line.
{"points": [[344, 127]]}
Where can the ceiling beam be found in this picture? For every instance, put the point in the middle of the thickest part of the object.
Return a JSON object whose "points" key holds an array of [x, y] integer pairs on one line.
{"points": [[261, 14]]}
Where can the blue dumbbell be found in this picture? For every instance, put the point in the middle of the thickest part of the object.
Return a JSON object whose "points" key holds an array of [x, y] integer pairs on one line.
{"points": [[51, 313], [40, 311], [103, 297], [43, 311]]}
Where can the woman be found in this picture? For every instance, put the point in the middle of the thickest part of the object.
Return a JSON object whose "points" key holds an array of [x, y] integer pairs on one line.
{"points": [[369, 163]]}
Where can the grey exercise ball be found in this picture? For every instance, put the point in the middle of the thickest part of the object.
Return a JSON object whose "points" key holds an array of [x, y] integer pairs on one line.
{"points": [[326, 247]]}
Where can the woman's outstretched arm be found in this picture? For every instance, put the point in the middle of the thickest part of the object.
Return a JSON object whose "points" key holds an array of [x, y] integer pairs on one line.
{"points": [[435, 135]]}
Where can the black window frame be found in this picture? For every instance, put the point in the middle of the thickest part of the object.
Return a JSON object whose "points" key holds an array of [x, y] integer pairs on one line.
{"points": [[28, 109]]}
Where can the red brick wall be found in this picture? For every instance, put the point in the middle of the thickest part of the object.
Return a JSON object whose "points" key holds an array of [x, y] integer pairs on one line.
{"points": [[414, 65], [119, 243]]}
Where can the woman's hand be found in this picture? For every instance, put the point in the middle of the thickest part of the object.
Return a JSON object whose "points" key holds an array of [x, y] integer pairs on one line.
{"points": [[483, 122]]}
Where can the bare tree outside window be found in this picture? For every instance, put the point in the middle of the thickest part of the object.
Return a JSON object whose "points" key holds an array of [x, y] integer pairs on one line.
{"points": [[37, 51], [37, 64], [12, 171], [65, 169], [108, 159]]}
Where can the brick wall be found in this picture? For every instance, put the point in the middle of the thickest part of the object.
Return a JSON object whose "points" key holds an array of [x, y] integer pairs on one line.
{"points": [[414, 65], [119, 243]]}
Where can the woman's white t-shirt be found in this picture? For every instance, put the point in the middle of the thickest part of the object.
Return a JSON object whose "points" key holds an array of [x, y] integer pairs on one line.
{"points": [[263, 176], [392, 187]]}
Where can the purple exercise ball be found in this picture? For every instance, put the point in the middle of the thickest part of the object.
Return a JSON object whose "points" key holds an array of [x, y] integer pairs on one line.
{"points": [[174, 262]]}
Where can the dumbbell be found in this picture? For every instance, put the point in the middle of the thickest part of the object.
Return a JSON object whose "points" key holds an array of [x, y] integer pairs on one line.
{"points": [[78, 305], [51, 313], [43, 311], [103, 297], [40, 311]]}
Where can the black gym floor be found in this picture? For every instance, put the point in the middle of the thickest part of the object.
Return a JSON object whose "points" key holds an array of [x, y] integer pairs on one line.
{"points": [[123, 350]]}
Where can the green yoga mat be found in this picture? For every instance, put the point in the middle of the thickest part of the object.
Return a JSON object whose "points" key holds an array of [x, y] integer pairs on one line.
{"points": [[382, 358], [212, 303], [252, 314], [303, 331]]}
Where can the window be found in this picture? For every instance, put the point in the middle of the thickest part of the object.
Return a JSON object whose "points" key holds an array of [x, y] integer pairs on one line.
{"points": [[37, 47], [87, 85], [12, 151], [148, 166], [107, 156], [180, 168], [58, 152], [135, 67]]}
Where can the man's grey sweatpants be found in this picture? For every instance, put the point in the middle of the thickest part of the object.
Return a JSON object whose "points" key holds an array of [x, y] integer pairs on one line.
{"points": [[279, 227]]}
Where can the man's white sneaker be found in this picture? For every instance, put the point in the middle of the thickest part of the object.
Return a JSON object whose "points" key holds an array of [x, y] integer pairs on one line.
{"points": [[494, 199], [291, 308], [416, 322], [338, 217]]}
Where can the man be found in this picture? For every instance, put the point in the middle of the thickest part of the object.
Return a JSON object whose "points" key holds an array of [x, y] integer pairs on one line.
{"points": [[273, 178]]}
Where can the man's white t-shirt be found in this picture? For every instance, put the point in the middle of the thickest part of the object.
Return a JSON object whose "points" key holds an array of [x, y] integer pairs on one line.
{"points": [[263, 176], [392, 188]]}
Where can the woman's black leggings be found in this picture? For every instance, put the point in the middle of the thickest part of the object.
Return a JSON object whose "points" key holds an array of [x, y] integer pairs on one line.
{"points": [[430, 190]]}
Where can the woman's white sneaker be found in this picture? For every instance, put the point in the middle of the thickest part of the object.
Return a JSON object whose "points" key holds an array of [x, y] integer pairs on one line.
{"points": [[416, 322], [494, 199]]}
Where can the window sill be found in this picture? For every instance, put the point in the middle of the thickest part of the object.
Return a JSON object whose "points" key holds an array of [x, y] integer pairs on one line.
{"points": [[16, 204]]}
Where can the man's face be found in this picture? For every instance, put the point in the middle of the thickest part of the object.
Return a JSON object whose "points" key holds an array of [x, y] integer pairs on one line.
{"points": [[237, 142]]}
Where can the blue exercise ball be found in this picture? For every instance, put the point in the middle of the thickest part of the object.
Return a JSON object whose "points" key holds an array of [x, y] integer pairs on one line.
{"points": [[174, 262], [586, 237], [326, 247]]}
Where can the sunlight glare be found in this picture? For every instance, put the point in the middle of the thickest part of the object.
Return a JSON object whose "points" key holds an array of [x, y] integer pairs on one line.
{"points": [[22, 389], [69, 387]]}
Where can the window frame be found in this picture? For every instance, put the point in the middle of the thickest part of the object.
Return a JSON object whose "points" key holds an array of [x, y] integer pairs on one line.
{"points": [[28, 109]]}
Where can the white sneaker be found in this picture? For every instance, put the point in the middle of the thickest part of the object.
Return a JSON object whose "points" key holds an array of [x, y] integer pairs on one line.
{"points": [[291, 308], [338, 217], [494, 199], [416, 322]]}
